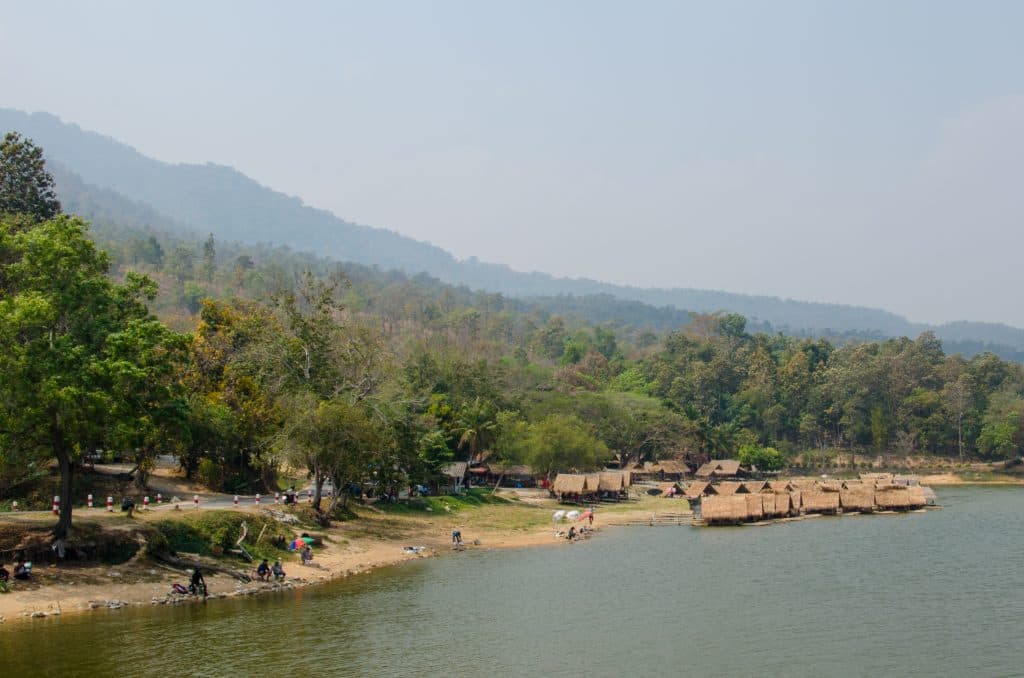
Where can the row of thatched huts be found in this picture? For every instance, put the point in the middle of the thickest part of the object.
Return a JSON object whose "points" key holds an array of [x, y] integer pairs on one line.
{"points": [[579, 487], [738, 503]]}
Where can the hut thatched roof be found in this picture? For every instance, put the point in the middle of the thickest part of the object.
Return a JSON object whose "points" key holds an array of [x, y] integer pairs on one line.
{"points": [[796, 499], [857, 497], [719, 509], [699, 488], [780, 485], [593, 483], [783, 501], [899, 497], [719, 468], [816, 501], [877, 477], [456, 469], [670, 466], [830, 485], [768, 502], [612, 481], [755, 506], [755, 486], [569, 483], [730, 488]]}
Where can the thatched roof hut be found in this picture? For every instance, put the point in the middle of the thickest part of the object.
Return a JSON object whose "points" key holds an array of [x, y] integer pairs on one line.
{"points": [[569, 483], [612, 481], [859, 497], [885, 478], [899, 497], [755, 506], [719, 468], [796, 500], [719, 509], [699, 488], [830, 485], [782, 504], [730, 488], [780, 485], [593, 483], [817, 501], [755, 486]]}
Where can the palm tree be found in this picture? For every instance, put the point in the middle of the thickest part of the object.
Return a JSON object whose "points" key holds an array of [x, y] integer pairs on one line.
{"points": [[476, 427]]}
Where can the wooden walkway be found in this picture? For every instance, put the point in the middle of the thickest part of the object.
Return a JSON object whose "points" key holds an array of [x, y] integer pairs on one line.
{"points": [[662, 519]]}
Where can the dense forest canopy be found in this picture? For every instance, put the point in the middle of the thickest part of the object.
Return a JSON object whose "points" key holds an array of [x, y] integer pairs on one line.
{"points": [[246, 360]]}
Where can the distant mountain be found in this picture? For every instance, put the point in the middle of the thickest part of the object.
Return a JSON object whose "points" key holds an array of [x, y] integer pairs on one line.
{"points": [[220, 200]]}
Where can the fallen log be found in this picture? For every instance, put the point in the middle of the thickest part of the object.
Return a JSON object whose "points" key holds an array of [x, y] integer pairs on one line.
{"points": [[184, 563]]}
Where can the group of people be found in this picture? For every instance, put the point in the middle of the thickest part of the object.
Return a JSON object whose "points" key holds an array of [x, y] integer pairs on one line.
{"points": [[264, 570], [22, 572]]}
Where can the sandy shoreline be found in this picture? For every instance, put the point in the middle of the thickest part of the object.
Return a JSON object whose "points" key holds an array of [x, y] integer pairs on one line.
{"points": [[349, 551]]}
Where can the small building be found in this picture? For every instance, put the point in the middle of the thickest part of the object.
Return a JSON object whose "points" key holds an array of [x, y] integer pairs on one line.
{"points": [[576, 487], [455, 475], [717, 509], [614, 484], [730, 488], [820, 501], [668, 469], [511, 475], [719, 469], [900, 497], [857, 497]]}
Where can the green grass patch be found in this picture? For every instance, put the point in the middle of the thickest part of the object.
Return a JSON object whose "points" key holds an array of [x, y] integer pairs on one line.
{"points": [[215, 533], [447, 503]]}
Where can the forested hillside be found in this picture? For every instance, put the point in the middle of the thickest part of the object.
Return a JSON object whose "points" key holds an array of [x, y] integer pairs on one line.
{"points": [[244, 360], [219, 200]]}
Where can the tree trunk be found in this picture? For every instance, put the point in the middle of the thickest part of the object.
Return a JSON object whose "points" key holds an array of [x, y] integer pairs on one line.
{"points": [[318, 489], [60, 450]]}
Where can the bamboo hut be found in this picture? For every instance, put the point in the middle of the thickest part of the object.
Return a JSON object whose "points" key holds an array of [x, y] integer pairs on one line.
{"points": [[780, 485], [593, 483], [885, 478], [796, 500], [857, 497], [783, 501], [830, 485], [819, 501], [723, 509], [755, 486], [720, 468]]}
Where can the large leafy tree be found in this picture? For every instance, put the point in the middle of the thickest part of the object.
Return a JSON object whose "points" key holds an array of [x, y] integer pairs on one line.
{"points": [[82, 360], [25, 186]]}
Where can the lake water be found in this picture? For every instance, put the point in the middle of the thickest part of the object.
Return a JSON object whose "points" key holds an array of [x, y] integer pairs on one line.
{"points": [[924, 594]]}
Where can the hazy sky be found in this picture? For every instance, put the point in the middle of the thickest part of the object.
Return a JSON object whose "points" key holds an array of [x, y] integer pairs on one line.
{"points": [[859, 152]]}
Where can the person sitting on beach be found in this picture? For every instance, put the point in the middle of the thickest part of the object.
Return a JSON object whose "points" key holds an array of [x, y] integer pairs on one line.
{"points": [[278, 570], [572, 533], [22, 570], [263, 571], [307, 555]]}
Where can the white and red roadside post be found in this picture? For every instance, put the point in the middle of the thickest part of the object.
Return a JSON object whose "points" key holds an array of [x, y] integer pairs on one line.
{"points": [[309, 496], [277, 497], [56, 505], [88, 501], [257, 498], [159, 498], [195, 501], [110, 504], [145, 502], [236, 501]]}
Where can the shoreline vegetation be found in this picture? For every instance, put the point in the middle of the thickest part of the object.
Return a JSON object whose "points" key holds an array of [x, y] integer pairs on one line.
{"points": [[372, 537]]}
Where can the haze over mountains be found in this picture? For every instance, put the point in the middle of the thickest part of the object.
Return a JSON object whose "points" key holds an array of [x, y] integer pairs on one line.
{"points": [[100, 171]]}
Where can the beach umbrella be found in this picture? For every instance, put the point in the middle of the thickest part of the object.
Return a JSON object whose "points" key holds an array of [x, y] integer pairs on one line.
{"points": [[573, 515], [557, 516]]}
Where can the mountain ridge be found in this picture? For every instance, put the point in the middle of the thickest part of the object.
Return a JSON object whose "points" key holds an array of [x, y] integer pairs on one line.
{"points": [[214, 198]]}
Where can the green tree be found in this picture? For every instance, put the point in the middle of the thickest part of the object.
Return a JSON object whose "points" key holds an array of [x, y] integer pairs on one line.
{"points": [[209, 259], [562, 442], [81, 357], [764, 458], [25, 185]]}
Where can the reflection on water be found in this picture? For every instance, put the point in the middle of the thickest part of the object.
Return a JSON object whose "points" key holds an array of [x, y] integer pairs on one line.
{"points": [[920, 594]]}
